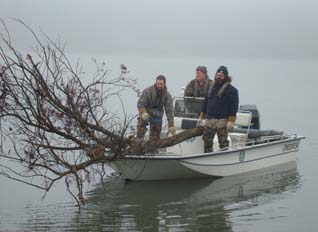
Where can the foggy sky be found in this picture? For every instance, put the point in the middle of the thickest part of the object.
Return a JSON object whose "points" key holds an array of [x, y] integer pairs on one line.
{"points": [[227, 28]]}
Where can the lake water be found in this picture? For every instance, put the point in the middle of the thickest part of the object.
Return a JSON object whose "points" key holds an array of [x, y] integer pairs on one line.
{"points": [[277, 199]]}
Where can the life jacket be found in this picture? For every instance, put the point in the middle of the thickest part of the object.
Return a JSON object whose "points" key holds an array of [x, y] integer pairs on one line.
{"points": [[221, 90], [158, 100], [206, 87]]}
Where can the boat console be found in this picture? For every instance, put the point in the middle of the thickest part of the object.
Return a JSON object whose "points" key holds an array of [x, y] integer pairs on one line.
{"points": [[247, 125]]}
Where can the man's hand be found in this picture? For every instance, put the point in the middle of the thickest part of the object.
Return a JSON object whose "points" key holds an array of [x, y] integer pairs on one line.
{"points": [[171, 130], [145, 116], [200, 122], [229, 125], [200, 119]]}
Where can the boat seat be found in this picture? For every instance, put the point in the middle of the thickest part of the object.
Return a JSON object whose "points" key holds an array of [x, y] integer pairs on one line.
{"points": [[188, 123], [185, 123], [243, 119]]}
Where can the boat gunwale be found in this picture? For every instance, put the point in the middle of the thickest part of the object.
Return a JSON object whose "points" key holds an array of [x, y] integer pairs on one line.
{"points": [[236, 163], [218, 153]]}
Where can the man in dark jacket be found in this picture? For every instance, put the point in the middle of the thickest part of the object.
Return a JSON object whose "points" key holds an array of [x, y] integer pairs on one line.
{"points": [[152, 103], [199, 86], [219, 107]]}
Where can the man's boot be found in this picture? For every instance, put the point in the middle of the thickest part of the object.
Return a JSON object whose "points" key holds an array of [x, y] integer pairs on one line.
{"points": [[208, 150]]}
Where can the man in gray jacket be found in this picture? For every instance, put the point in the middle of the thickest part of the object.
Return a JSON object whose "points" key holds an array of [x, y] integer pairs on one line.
{"points": [[152, 103]]}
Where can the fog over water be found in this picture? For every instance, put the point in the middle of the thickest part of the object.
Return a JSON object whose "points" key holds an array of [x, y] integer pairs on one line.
{"points": [[229, 28]]}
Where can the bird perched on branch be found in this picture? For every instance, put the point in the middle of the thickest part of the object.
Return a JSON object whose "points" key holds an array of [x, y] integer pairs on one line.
{"points": [[123, 69]]}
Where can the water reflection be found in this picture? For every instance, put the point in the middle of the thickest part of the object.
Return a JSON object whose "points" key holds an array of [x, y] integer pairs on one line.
{"points": [[196, 205]]}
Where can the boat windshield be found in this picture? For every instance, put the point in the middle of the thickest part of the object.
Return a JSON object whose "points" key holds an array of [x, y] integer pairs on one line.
{"points": [[188, 107]]}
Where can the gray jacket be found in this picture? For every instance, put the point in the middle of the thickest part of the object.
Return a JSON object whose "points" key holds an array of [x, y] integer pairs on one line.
{"points": [[156, 104]]}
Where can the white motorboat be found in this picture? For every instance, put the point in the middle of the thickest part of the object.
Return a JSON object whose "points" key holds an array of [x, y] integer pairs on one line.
{"points": [[250, 149]]}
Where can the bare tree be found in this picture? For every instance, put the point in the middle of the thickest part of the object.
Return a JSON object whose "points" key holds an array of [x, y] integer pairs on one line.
{"points": [[55, 126]]}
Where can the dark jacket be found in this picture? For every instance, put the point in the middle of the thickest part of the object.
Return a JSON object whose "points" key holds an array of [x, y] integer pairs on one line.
{"points": [[223, 106], [156, 104]]}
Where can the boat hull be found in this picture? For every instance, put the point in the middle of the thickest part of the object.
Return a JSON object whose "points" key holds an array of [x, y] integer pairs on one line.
{"points": [[219, 164], [154, 169]]}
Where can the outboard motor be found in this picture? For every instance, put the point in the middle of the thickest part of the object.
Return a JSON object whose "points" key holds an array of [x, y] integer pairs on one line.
{"points": [[256, 124]]}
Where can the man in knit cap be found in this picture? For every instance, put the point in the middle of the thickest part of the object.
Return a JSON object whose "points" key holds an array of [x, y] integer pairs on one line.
{"points": [[199, 86], [219, 108]]}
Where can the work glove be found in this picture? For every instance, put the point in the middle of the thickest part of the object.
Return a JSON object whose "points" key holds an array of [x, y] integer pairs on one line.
{"points": [[171, 130], [145, 116], [229, 125], [200, 119], [200, 122]]}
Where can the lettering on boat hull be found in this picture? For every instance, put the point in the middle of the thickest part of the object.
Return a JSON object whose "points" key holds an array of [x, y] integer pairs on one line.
{"points": [[290, 146]]}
